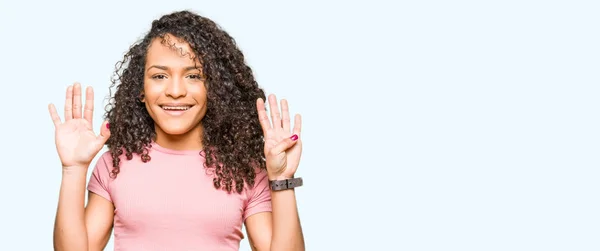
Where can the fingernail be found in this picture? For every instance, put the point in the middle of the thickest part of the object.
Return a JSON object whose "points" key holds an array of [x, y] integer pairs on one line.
{"points": [[107, 126], [294, 137]]}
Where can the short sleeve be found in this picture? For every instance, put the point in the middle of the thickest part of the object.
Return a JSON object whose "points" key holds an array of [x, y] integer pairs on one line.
{"points": [[259, 197], [100, 177]]}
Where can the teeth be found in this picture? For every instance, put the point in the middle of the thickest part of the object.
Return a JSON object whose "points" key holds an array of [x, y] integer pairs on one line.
{"points": [[176, 108]]}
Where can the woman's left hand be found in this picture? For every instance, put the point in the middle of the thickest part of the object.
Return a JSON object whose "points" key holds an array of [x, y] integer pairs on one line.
{"points": [[283, 145]]}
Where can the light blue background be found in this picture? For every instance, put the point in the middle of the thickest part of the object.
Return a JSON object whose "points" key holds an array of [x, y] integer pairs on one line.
{"points": [[428, 125]]}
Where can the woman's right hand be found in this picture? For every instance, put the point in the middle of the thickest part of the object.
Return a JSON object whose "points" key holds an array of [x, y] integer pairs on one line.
{"points": [[75, 140]]}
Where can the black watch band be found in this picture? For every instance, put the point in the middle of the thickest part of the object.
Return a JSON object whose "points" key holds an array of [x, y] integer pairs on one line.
{"points": [[278, 185]]}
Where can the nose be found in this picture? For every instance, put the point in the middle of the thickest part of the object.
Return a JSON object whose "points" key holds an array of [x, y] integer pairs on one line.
{"points": [[176, 88]]}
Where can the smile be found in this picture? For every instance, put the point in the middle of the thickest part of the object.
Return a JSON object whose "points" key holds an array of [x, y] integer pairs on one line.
{"points": [[176, 108]]}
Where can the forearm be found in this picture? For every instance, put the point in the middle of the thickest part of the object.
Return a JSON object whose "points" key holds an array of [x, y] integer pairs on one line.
{"points": [[287, 232], [69, 228]]}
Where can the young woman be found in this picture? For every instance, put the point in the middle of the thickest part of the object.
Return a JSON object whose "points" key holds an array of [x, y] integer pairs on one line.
{"points": [[192, 152]]}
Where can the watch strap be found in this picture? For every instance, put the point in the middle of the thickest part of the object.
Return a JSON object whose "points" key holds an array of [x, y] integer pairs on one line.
{"points": [[278, 185]]}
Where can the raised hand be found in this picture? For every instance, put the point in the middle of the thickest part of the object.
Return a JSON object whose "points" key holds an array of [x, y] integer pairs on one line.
{"points": [[283, 146], [76, 142]]}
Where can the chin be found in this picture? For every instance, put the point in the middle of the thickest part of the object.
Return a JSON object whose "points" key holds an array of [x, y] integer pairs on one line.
{"points": [[176, 129]]}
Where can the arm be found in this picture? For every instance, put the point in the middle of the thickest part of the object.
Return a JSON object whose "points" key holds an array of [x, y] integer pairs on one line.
{"points": [[69, 226], [287, 232], [99, 216], [279, 230], [76, 227]]}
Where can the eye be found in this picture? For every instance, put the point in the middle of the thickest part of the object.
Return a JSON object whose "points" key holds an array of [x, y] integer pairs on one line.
{"points": [[195, 76], [159, 76]]}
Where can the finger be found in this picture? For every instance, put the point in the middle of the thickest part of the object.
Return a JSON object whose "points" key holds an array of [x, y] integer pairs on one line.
{"points": [[77, 101], [262, 115], [285, 144], [69, 103], [275, 114], [104, 133], [285, 115], [88, 110], [54, 114], [297, 125]]}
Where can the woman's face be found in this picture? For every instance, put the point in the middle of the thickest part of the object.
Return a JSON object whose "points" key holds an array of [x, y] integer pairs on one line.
{"points": [[174, 90]]}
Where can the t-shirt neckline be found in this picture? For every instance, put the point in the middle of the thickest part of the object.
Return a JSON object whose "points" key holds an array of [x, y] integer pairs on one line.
{"points": [[159, 148]]}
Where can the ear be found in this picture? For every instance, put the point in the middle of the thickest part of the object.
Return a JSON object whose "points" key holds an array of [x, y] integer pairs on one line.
{"points": [[142, 97]]}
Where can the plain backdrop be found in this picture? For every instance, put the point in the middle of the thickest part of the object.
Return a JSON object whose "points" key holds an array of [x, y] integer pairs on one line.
{"points": [[428, 125]]}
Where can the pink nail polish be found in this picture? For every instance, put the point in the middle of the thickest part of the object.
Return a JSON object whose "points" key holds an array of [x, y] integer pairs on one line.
{"points": [[294, 137]]}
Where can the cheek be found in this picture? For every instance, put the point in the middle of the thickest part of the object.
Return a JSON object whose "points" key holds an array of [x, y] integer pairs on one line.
{"points": [[199, 93], [152, 92]]}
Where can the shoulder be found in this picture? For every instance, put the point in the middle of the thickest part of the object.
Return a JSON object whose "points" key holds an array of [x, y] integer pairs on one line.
{"points": [[106, 157], [104, 164], [261, 182], [105, 161]]}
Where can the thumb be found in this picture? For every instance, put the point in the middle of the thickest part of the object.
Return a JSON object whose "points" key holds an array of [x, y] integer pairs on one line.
{"points": [[284, 145], [104, 133]]}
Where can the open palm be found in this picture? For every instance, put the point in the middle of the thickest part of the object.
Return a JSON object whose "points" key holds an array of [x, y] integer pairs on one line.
{"points": [[283, 146], [76, 142]]}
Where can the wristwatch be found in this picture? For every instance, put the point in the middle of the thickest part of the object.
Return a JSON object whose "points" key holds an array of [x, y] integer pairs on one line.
{"points": [[278, 185]]}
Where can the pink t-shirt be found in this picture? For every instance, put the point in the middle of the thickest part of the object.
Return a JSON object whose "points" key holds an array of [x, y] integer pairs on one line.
{"points": [[170, 203]]}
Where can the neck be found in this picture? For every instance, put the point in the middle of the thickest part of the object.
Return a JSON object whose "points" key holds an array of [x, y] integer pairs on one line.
{"points": [[191, 140]]}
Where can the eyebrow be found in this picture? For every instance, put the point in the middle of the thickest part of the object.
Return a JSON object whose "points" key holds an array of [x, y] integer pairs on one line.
{"points": [[164, 68]]}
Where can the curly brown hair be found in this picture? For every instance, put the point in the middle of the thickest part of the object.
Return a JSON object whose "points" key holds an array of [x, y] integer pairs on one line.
{"points": [[232, 140]]}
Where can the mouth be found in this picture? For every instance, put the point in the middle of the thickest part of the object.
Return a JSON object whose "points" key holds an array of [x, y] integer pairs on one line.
{"points": [[175, 109]]}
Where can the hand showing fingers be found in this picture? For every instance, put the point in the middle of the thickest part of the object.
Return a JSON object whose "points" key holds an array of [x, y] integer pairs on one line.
{"points": [[75, 140], [283, 147]]}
